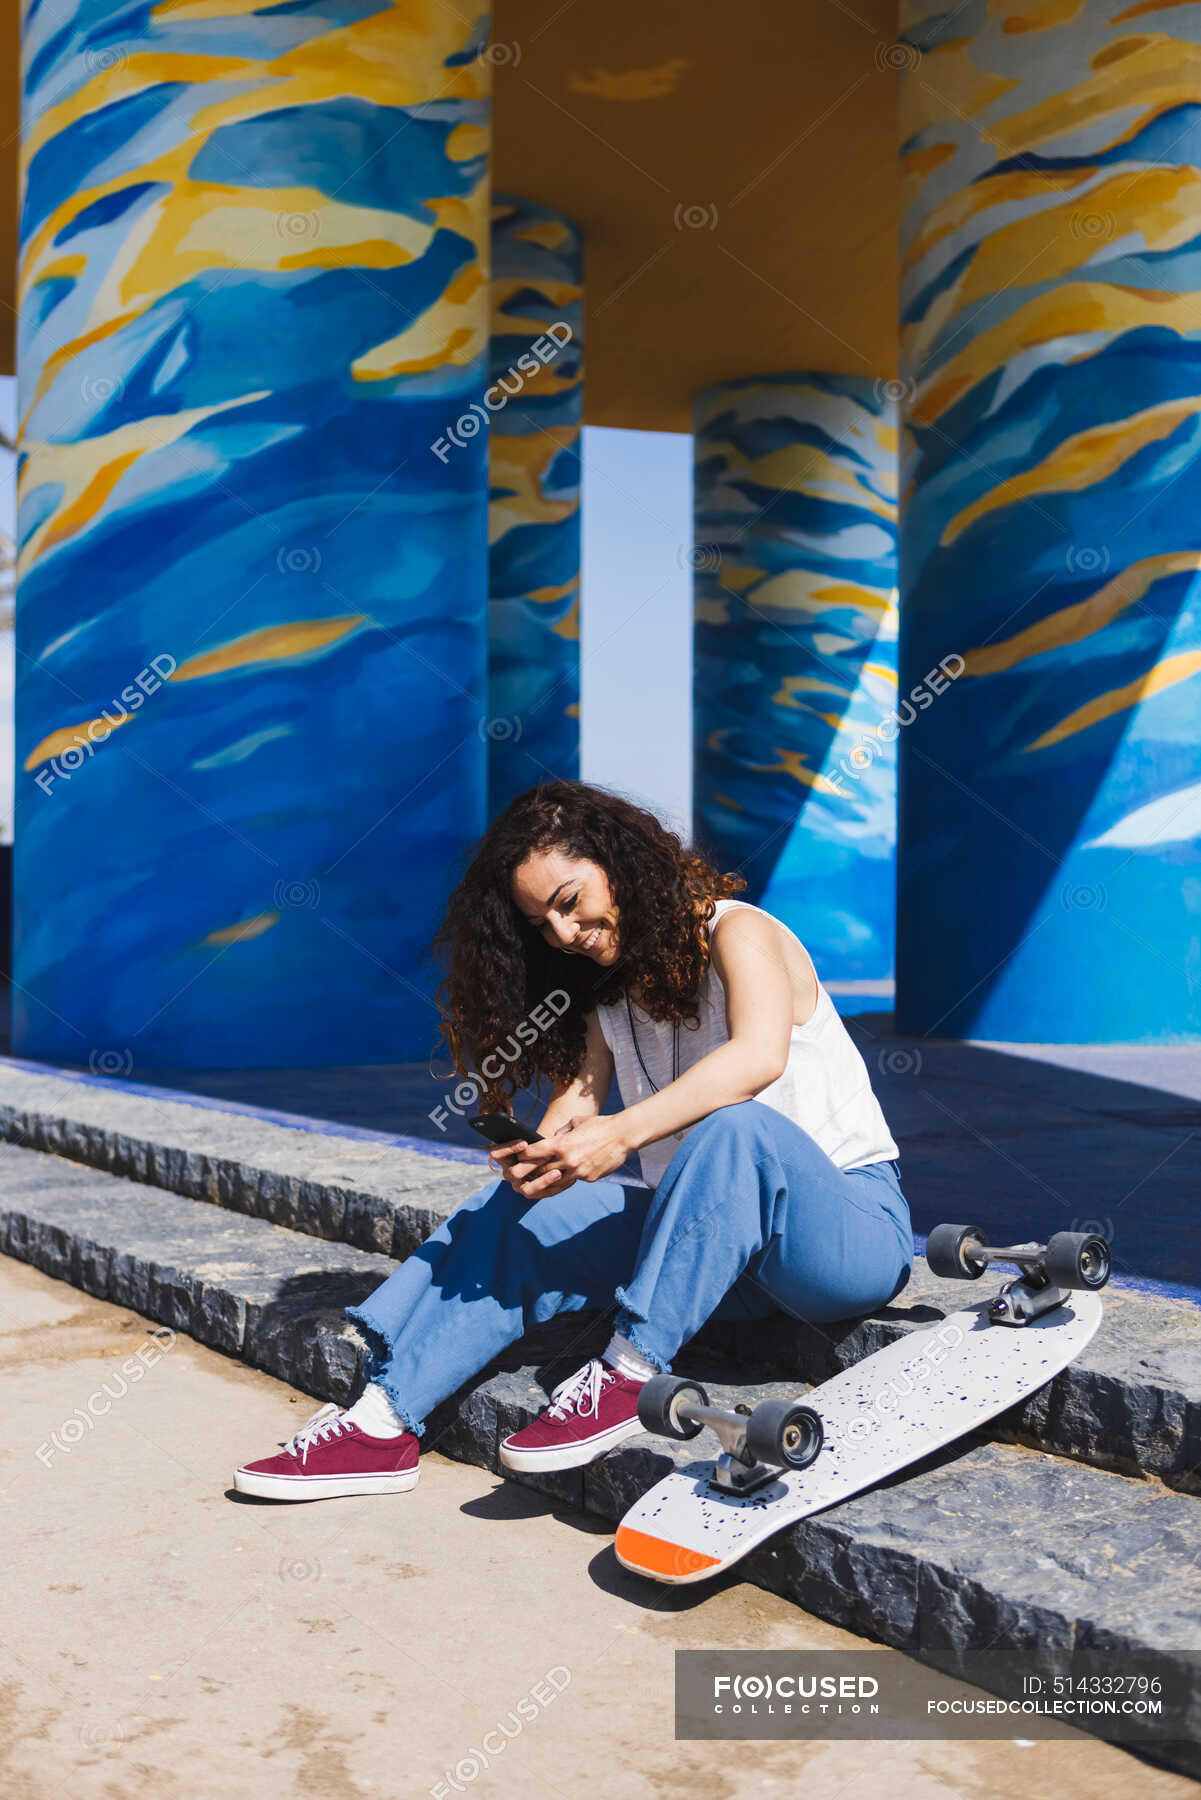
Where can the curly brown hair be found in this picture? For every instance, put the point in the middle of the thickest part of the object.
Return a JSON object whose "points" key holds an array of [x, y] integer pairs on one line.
{"points": [[501, 968]]}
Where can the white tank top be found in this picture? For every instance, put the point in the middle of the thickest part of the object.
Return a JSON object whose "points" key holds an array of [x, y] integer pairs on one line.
{"points": [[825, 1087]]}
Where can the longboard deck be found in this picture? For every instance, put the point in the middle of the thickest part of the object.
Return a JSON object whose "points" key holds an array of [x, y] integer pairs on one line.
{"points": [[893, 1408]]}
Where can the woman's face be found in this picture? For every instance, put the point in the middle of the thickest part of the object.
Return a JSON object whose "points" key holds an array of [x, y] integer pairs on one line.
{"points": [[570, 902]]}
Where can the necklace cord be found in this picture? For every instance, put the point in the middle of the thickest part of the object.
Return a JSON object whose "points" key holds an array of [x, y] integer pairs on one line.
{"points": [[675, 1057]]}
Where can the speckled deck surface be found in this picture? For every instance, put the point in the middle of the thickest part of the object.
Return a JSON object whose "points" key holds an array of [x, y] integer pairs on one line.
{"points": [[886, 1412]]}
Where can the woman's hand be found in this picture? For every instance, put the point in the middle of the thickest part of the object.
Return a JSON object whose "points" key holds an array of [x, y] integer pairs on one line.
{"points": [[509, 1160], [582, 1150]]}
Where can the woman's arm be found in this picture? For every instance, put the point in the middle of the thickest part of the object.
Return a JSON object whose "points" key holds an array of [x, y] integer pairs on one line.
{"points": [[746, 953], [579, 1099], [583, 1097]]}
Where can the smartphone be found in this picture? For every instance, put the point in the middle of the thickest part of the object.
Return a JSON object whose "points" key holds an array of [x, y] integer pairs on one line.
{"points": [[499, 1128]]}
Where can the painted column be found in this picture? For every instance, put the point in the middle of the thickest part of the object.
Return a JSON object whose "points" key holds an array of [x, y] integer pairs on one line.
{"points": [[251, 613], [535, 403], [1050, 871], [795, 660]]}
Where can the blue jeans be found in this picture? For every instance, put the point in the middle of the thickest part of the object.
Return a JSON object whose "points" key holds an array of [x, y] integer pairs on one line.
{"points": [[749, 1219]]}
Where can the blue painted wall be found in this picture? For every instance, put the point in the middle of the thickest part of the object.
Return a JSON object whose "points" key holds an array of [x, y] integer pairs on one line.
{"points": [[535, 401], [252, 613], [795, 685], [1050, 864]]}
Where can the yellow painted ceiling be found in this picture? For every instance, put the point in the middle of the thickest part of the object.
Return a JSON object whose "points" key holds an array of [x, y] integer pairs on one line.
{"points": [[733, 169], [772, 124]]}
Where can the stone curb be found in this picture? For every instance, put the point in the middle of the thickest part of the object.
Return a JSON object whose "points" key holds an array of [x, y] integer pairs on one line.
{"points": [[981, 1545], [374, 1194], [1131, 1402], [254, 1290]]}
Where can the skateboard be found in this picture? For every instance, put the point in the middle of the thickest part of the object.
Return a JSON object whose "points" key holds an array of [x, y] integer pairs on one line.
{"points": [[785, 1459]]}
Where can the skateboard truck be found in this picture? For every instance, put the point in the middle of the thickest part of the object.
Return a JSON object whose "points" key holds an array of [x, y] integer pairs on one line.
{"points": [[1049, 1272], [757, 1443]]}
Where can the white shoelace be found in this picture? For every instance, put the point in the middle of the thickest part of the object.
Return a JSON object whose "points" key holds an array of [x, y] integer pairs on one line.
{"points": [[326, 1421], [569, 1394]]}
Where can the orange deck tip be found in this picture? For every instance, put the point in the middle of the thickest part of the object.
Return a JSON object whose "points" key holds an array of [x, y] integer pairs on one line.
{"points": [[658, 1556]]}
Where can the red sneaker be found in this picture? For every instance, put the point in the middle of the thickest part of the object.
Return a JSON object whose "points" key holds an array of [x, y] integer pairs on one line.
{"points": [[595, 1409], [329, 1456]]}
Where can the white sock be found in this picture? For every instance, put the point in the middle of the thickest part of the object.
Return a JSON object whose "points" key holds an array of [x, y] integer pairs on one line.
{"points": [[622, 1356], [375, 1414]]}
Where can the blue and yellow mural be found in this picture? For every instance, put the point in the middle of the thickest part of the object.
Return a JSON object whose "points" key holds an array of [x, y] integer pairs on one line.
{"points": [[794, 676], [252, 602], [1050, 871], [536, 400]]}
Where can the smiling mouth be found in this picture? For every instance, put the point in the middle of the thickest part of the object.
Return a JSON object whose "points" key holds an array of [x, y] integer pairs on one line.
{"points": [[589, 942]]}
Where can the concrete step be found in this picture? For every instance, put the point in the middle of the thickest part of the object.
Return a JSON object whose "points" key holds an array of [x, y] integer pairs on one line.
{"points": [[983, 1543], [1131, 1403], [353, 1186]]}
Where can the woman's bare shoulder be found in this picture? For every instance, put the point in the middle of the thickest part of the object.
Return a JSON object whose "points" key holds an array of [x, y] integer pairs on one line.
{"points": [[761, 932]]}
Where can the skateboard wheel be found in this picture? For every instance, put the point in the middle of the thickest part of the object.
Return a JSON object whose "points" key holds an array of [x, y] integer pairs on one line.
{"points": [[948, 1252], [1077, 1259], [784, 1432], [659, 1401]]}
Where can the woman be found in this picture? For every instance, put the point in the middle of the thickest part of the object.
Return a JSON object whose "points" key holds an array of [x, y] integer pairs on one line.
{"points": [[773, 1182]]}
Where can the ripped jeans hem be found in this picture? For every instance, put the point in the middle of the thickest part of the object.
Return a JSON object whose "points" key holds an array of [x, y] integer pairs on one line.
{"points": [[631, 1329], [373, 1360]]}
